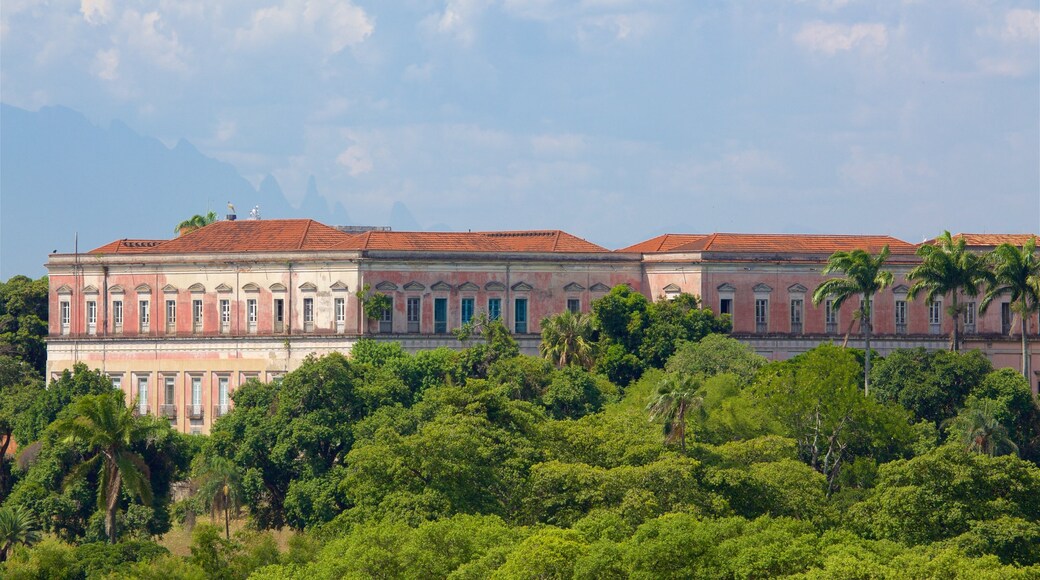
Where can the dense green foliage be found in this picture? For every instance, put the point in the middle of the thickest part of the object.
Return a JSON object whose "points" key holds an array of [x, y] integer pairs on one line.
{"points": [[483, 463]]}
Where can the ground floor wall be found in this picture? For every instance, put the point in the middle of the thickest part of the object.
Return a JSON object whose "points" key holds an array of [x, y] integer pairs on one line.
{"points": [[190, 380]]}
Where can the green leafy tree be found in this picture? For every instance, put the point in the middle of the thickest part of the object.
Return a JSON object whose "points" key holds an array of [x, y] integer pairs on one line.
{"points": [[932, 385], [1016, 407], [374, 304], [195, 222], [567, 339], [1016, 274], [864, 277], [979, 428], [46, 405], [938, 495], [815, 398], [495, 343], [109, 428], [19, 386], [23, 320], [716, 354], [676, 397], [17, 526], [948, 268], [219, 484]]}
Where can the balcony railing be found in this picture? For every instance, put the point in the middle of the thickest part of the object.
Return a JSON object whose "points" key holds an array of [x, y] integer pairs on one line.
{"points": [[900, 328], [761, 327], [195, 411], [168, 411], [969, 328], [832, 328], [279, 326], [796, 328], [141, 409], [221, 410], [935, 329]]}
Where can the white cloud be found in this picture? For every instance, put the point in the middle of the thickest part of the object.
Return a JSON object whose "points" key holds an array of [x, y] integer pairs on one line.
{"points": [[830, 38], [147, 35], [106, 64], [96, 11], [356, 159], [335, 25], [615, 27], [457, 21], [1021, 25], [225, 130]]}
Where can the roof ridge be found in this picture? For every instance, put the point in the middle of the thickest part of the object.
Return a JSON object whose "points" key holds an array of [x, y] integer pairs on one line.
{"points": [[556, 240], [303, 238]]}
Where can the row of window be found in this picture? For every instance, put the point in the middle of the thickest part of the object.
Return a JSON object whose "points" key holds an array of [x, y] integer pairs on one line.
{"points": [[467, 309], [168, 407], [413, 314], [901, 319]]}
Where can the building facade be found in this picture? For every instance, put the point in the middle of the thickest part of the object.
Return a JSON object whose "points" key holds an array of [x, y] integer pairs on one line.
{"points": [[179, 324]]}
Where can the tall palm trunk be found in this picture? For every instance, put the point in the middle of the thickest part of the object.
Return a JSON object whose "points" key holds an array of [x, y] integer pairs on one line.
{"points": [[865, 315], [955, 345], [111, 497], [1025, 349]]}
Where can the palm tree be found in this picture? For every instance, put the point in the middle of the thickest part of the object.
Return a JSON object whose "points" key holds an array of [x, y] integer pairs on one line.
{"points": [[109, 428], [863, 277], [195, 222], [567, 339], [17, 526], [947, 267], [676, 395], [1016, 274], [219, 487], [981, 432]]}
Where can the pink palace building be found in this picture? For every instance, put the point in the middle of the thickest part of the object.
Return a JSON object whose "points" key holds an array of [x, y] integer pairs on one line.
{"points": [[179, 324]]}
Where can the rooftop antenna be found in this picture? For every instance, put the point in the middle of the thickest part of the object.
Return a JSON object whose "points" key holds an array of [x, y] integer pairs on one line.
{"points": [[254, 214]]}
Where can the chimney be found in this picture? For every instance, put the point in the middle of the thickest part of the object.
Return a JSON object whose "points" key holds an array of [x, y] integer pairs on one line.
{"points": [[231, 217]]}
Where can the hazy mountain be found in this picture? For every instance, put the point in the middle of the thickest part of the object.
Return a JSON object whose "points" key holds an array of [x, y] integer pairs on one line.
{"points": [[61, 175], [402, 220]]}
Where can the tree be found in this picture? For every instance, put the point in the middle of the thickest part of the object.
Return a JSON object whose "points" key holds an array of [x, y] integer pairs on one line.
{"points": [[17, 526], [947, 267], [567, 339], [980, 430], [107, 426], [815, 398], [23, 320], [863, 277], [676, 396], [19, 386], [219, 485], [1016, 274], [931, 385], [195, 222], [716, 354], [374, 304]]}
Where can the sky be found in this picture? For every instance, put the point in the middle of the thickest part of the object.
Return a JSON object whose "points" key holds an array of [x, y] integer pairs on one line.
{"points": [[615, 120]]}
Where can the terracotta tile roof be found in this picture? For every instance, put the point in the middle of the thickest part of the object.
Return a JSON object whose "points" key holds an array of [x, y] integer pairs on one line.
{"points": [[990, 240], [127, 246], [662, 243], [543, 241], [242, 236], [521, 241], [794, 243]]}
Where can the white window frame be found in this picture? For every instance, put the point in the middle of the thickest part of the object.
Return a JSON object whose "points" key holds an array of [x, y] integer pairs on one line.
{"points": [[92, 316], [339, 307], [171, 315], [142, 394], [66, 315], [252, 314], [117, 315], [144, 315], [225, 315], [197, 314]]}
